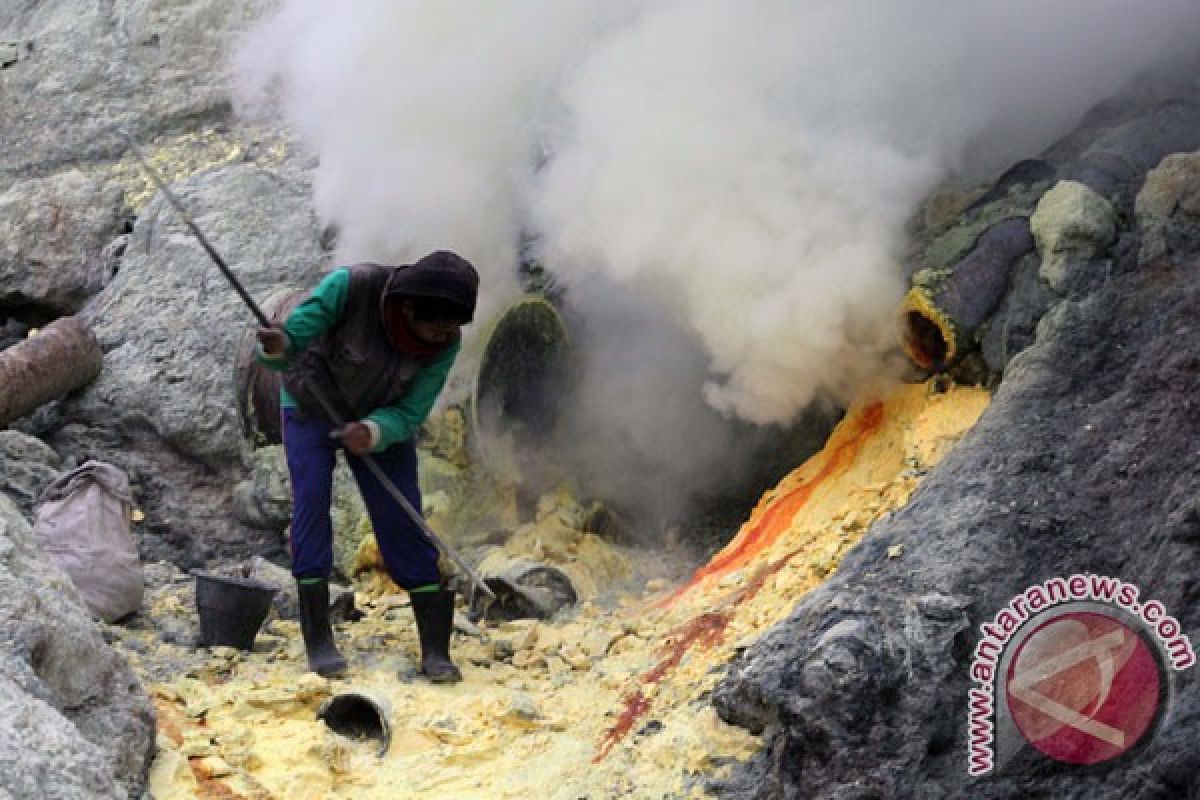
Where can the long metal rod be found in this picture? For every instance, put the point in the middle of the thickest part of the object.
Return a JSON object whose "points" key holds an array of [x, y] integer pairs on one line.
{"points": [[373, 465]]}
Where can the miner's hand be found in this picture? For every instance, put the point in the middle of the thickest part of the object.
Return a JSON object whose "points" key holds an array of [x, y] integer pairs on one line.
{"points": [[355, 437], [273, 340]]}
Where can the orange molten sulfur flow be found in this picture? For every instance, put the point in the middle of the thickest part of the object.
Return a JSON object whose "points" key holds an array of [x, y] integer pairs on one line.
{"points": [[774, 514], [868, 467]]}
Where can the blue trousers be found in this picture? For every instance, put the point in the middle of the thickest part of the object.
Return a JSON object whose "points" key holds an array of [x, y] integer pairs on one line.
{"points": [[410, 558]]}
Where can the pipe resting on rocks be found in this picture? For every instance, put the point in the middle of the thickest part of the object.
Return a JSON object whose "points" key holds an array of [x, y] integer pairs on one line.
{"points": [[61, 357], [944, 309]]}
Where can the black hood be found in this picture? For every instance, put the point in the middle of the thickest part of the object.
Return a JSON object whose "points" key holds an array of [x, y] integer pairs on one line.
{"points": [[442, 276]]}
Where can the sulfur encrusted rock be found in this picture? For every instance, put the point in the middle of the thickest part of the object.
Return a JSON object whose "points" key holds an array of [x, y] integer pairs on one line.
{"points": [[1072, 224]]}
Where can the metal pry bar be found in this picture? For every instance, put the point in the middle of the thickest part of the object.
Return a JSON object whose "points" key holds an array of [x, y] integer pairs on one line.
{"points": [[326, 406]]}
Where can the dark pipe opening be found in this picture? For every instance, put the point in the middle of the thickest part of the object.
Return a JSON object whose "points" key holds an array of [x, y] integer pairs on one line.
{"points": [[923, 340]]}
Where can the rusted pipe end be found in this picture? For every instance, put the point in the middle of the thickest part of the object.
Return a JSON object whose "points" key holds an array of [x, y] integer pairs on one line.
{"points": [[927, 335]]}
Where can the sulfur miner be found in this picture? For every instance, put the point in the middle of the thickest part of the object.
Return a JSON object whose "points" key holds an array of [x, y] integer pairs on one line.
{"points": [[377, 342]]}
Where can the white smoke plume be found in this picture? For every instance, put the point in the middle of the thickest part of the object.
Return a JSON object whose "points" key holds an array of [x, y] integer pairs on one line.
{"points": [[745, 165]]}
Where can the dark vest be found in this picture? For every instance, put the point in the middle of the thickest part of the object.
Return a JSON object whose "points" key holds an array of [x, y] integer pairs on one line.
{"points": [[352, 364]]}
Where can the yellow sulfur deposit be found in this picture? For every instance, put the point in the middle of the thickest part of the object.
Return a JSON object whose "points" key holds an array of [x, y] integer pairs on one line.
{"points": [[598, 704]]}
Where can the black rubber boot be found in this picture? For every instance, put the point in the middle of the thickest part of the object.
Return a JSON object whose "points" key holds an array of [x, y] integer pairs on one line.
{"points": [[434, 612], [323, 656]]}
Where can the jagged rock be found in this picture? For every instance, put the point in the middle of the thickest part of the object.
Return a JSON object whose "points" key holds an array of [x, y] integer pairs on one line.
{"points": [[28, 466], [1072, 225], [77, 722], [1168, 207]]}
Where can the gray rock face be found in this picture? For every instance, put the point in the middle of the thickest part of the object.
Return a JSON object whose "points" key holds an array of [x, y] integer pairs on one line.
{"points": [[169, 323], [83, 71], [43, 755], [163, 408], [1083, 463], [76, 722], [28, 466]]}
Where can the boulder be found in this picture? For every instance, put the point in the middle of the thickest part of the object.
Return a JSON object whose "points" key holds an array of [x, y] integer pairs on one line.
{"points": [[1072, 225], [53, 232], [76, 722]]}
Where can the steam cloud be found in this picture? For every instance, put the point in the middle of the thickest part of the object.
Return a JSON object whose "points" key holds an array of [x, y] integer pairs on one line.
{"points": [[744, 166]]}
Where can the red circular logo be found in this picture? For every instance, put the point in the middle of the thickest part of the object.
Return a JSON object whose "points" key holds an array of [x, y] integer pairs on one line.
{"points": [[1083, 687]]}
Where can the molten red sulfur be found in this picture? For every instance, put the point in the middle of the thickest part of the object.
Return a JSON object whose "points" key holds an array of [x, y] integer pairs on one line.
{"points": [[772, 523], [708, 629], [636, 704]]}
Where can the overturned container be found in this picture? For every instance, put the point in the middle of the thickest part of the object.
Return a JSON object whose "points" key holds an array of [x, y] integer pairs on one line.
{"points": [[358, 715], [523, 589]]}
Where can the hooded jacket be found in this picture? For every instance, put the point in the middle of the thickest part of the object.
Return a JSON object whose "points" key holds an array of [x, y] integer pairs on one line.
{"points": [[337, 342]]}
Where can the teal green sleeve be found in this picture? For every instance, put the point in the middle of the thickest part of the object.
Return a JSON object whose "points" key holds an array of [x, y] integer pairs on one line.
{"points": [[317, 314], [399, 422]]}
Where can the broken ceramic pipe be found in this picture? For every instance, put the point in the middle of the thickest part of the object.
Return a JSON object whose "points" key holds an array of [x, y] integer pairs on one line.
{"points": [[944, 309], [358, 715], [524, 589]]}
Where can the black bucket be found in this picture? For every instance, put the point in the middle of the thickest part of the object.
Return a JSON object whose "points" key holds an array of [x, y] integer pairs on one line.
{"points": [[231, 609]]}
